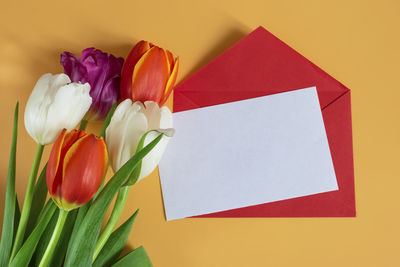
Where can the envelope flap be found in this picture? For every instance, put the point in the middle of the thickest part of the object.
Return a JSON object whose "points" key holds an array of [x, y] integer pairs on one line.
{"points": [[260, 64]]}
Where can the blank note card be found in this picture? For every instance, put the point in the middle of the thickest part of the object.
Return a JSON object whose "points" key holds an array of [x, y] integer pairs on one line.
{"points": [[246, 153]]}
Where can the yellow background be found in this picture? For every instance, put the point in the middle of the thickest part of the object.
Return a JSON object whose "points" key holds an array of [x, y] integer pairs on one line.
{"points": [[357, 42]]}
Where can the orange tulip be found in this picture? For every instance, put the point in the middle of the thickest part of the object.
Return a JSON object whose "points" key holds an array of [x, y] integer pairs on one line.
{"points": [[76, 168], [149, 74]]}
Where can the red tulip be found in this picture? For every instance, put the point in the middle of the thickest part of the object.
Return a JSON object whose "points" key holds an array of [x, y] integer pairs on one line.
{"points": [[149, 74], [76, 168]]}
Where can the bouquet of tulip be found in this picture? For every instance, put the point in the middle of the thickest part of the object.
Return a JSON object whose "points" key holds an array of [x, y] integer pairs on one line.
{"points": [[66, 230]]}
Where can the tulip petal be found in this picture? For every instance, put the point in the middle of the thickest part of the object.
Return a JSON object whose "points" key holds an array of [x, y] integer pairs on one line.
{"points": [[39, 102], [123, 134], [73, 67], [150, 76], [126, 77], [119, 113], [108, 96], [153, 114], [164, 121], [151, 160], [170, 61], [53, 164], [54, 170], [67, 109], [103, 72], [171, 82], [83, 170], [98, 69]]}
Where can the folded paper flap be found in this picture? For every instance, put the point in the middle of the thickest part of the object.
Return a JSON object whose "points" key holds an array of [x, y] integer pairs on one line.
{"points": [[189, 101], [192, 99], [336, 99], [258, 65], [339, 133]]}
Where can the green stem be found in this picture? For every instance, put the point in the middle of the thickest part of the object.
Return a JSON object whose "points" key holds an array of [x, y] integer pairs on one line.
{"points": [[62, 216], [19, 238], [83, 124], [107, 120], [116, 213]]}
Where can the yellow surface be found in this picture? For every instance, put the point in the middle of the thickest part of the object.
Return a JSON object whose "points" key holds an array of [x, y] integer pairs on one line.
{"points": [[357, 42]]}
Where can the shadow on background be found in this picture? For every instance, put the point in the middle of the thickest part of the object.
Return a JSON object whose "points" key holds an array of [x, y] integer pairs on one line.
{"points": [[224, 43], [127, 249]]}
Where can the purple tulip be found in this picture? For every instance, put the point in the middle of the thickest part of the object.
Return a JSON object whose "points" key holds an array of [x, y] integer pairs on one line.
{"points": [[102, 71]]}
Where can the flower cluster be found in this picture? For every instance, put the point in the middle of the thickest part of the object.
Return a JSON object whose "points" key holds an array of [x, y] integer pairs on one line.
{"points": [[102, 71], [129, 96]]}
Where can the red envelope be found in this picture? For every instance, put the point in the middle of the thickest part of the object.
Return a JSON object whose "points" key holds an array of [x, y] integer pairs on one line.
{"points": [[260, 64]]}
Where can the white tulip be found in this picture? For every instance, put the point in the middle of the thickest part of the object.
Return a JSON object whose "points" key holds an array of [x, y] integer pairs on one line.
{"points": [[54, 104], [127, 126]]}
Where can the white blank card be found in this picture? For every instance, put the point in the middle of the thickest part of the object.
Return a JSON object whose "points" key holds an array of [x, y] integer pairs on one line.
{"points": [[246, 153]]}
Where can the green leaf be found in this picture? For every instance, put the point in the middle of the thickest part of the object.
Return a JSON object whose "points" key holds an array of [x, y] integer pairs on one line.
{"points": [[136, 258], [38, 200], [79, 218], [134, 175], [7, 234], [25, 253], [136, 172], [81, 248], [17, 216], [62, 245], [45, 238], [115, 244], [98, 192], [107, 120]]}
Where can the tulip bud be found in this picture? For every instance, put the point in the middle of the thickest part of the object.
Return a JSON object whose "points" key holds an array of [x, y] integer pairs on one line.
{"points": [[76, 168], [127, 126], [149, 74], [54, 104], [102, 71]]}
